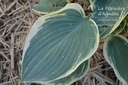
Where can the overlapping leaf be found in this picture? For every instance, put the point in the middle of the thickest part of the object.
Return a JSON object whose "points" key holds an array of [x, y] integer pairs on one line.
{"points": [[108, 14], [80, 72], [116, 53], [120, 28], [46, 6], [56, 48]]}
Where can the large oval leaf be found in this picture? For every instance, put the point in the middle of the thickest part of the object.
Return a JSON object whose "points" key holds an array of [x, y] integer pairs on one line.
{"points": [[108, 14], [65, 40], [116, 53], [46, 6], [80, 72]]}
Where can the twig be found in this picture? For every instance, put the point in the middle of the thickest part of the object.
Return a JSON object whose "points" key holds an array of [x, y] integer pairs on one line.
{"points": [[22, 9], [94, 68], [12, 26], [2, 12], [12, 51], [5, 56], [14, 11], [106, 79], [19, 25], [3, 42], [12, 78], [10, 7], [8, 82]]}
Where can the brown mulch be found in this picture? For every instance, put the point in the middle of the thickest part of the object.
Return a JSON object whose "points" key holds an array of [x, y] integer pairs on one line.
{"points": [[16, 19]]}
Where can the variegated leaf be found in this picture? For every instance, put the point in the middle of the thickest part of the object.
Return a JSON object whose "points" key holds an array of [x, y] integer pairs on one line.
{"points": [[55, 48], [116, 53]]}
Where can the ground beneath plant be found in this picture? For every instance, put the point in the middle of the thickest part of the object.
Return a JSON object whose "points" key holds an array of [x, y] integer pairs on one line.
{"points": [[16, 19]]}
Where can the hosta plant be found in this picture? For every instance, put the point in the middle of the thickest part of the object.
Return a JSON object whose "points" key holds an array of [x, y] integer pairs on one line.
{"points": [[60, 42]]}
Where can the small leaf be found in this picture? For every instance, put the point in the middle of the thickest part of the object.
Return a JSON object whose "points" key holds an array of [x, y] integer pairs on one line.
{"points": [[80, 72], [46, 6], [120, 28], [108, 14], [126, 27], [116, 53], [56, 48]]}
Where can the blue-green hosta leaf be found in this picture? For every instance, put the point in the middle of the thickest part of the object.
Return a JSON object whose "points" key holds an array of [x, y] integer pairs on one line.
{"points": [[56, 48], [120, 28], [108, 14], [116, 53], [80, 72], [46, 6]]}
